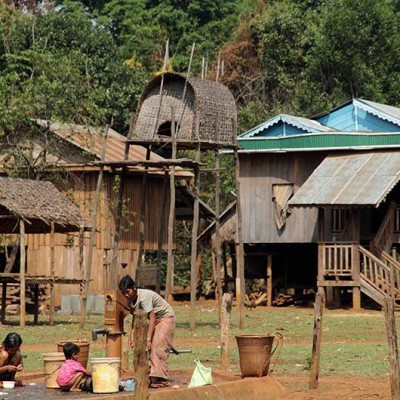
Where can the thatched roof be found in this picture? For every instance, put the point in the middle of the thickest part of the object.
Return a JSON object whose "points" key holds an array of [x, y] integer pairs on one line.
{"points": [[39, 203], [192, 99]]}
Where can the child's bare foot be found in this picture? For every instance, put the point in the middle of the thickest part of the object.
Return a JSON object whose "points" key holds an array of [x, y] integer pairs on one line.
{"points": [[75, 390]]}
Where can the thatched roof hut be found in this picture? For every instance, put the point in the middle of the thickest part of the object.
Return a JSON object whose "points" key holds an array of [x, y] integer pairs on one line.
{"points": [[186, 101], [39, 203]]}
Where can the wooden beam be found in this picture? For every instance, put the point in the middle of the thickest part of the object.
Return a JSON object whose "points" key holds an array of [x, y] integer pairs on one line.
{"points": [[3, 302], [140, 356], [217, 230]]}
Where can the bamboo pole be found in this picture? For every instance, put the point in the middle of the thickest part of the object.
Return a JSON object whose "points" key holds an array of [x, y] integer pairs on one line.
{"points": [[240, 276], [52, 276], [195, 232], [316, 349], [93, 231], [169, 281], [391, 333], [22, 273]]}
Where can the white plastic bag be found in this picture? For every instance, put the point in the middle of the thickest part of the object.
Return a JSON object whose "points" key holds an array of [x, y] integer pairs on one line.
{"points": [[201, 375]]}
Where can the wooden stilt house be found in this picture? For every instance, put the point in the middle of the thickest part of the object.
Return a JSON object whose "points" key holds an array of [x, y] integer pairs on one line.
{"points": [[320, 202], [70, 156]]}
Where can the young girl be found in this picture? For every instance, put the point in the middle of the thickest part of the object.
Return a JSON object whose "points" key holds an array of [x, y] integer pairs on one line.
{"points": [[10, 357], [72, 373], [161, 328]]}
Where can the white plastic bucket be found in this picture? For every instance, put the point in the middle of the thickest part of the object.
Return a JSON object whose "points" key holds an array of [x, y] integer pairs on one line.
{"points": [[105, 374], [51, 365]]}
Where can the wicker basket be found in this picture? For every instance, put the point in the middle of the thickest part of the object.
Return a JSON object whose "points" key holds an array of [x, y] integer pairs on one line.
{"points": [[255, 354]]}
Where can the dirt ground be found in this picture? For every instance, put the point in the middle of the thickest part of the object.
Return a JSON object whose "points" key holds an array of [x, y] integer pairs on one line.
{"points": [[330, 387]]}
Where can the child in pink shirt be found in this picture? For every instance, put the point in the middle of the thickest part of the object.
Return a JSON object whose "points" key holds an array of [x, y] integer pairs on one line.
{"points": [[72, 373]]}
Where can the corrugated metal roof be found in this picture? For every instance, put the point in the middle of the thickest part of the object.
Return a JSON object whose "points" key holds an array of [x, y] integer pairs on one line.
{"points": [[308, 125], [362, 179], [91, 139], [320, 141]]}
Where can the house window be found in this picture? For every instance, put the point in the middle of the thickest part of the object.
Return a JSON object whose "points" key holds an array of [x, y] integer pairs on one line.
{"points": [[281, 194], [339, 219]]}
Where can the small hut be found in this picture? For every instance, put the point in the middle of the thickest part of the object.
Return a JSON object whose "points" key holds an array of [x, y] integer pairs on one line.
{"points": [[172, 97], [28, 207]]}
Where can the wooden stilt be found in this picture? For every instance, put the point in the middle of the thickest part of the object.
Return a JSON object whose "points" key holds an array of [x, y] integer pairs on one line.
{"points": [[52, 276], [162, 227], [169, 279], [195, 232], [93, 231], [225, 330], [240, 276], [217, 230], [3, 302], [22, 274], [143, 202], [316, 349], [269, 280], [391, 333], [36, 304]]}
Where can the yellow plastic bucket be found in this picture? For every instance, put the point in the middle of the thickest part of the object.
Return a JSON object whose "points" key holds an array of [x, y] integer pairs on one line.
{"points": [[105, 374], [84, 346], [51, 365]]}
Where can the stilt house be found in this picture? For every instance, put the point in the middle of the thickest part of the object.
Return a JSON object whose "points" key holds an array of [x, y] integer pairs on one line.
{"points": [[320, 202], [69, 155]]}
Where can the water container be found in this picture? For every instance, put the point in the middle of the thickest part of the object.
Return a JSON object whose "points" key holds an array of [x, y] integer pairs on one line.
{"points": [[52, 364], [105, 374]]}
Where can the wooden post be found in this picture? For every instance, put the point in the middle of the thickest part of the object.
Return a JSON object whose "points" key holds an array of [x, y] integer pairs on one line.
{"points": [[36, 303], [52, 276], [169, 279], [316, 349], [356, 277], [240, 276], [81, 269], [143, 203], [195, 232], [140, 354], [269, 280], [393, 348], [217, 229], [22, 273], [162, 227], [3, 302], [226, 309], [93, 231]]}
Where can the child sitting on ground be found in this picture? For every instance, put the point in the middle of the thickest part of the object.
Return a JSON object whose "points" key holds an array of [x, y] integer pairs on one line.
{"points": [[72, 374]]}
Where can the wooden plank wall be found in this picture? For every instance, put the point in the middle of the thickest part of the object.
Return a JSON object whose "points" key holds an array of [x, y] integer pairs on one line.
{"points": [[67, 246], [258, 172]]}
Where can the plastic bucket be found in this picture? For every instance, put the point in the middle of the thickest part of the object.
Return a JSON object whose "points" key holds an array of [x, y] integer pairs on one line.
{"points": [[105, 374], [255, 353], [51, 365], [83, 346]]}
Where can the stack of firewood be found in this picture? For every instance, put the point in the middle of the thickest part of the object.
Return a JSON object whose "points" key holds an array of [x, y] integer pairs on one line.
{"points": [[13, 298]]}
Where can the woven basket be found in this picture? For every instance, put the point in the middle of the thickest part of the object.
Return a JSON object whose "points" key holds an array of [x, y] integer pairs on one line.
{"points": [[254, 354]]}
